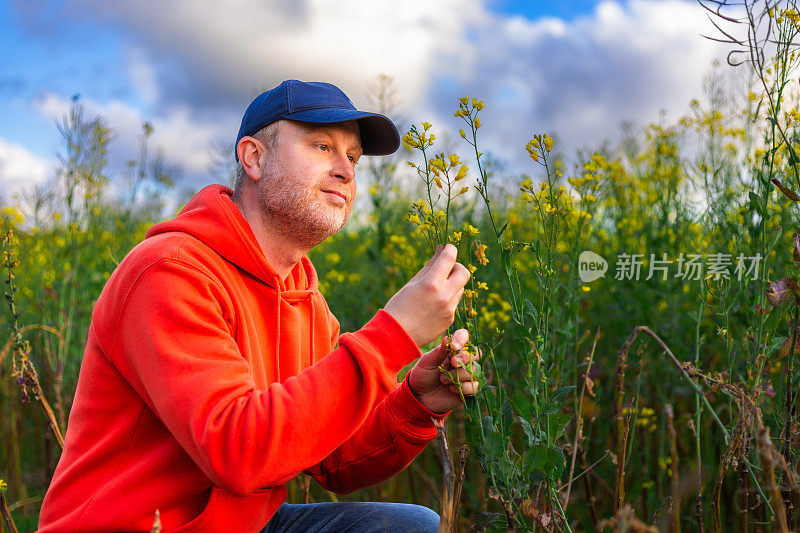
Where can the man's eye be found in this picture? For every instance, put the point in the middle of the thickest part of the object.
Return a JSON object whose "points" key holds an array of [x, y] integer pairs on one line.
{"points": [[323, 147]]}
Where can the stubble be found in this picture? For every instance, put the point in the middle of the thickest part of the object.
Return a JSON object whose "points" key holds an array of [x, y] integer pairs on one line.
{"points": [[298, 213]]}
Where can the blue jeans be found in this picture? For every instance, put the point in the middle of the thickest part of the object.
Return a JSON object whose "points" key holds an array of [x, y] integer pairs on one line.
{"points": [[353, 517]]}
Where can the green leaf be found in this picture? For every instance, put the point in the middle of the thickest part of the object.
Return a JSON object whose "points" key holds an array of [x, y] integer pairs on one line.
{"points": [[520, 334], [537, 458], [505, 258], [555, 463], [778, 235], [507, 418], [560, 393], [500, 234], [557, 423], [495, 446], [546, 459], [756, 203], [522, 404], [473, 433], [531, 311], [528, 430], [772, 322]]}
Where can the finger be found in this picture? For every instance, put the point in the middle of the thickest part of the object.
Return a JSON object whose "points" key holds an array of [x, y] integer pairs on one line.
{"points": [[470, 388], [467, 389], [459, 275], [444, 262], [459, 339], [427, 265], [461, 374], [463, 357], [433, 358]]}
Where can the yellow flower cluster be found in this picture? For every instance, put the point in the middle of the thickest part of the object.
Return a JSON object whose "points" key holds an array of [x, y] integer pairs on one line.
{"points": [[468, 112], [480, 254], [546, 201], [783, 14], [441, 166], [419, 139], [539, 147], [646, 417]]}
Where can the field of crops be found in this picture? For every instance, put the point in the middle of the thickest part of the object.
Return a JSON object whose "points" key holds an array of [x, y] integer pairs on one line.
{"points": [[636, 308]]}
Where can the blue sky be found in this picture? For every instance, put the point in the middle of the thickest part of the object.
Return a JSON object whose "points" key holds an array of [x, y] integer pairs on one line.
{"points": [[564, 9], [575, 68]]}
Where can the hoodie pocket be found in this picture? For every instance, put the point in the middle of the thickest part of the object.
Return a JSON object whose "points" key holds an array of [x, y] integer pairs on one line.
{"points": [[205, 518]]}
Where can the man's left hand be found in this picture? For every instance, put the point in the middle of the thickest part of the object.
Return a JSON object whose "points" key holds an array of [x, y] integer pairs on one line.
{"points": [[434, 388]]}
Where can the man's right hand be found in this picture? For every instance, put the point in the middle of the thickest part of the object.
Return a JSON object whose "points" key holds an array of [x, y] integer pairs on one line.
{"points": [[426, 305]]}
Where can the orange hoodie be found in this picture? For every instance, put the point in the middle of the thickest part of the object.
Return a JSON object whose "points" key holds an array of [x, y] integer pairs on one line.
{"points": [[208, 383]]}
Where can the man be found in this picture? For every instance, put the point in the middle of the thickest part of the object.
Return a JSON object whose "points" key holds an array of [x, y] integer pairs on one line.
{"points": [[211, 375]]}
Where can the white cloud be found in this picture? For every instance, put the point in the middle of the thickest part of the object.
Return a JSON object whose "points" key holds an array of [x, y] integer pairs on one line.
{"points": [[581, 78], [228, 50], [197, 63], [143, 75], [19, 168]]}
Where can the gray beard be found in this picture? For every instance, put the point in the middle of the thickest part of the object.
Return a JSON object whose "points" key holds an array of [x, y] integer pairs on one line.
{"points": [[296, 214]]}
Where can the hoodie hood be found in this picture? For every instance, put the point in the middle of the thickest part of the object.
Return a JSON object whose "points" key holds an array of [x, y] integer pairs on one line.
{"points": [[212, 217]]}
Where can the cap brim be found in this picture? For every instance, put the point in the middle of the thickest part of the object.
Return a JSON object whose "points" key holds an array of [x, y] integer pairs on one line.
{"points": [[379, 135]]}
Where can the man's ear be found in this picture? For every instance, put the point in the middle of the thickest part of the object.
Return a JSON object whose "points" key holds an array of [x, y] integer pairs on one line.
{"points": [[250, 151]]}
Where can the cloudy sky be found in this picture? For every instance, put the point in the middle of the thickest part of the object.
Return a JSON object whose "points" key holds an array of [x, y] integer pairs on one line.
{"points": [[190, 67]]}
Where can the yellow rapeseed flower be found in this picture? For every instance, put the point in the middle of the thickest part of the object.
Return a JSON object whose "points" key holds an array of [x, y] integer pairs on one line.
{"points": [[477, 123], [426, 125], [548, 142], [480, 254], [462, 172]]}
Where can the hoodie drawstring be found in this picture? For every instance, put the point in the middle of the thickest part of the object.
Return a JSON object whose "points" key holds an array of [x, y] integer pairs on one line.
{"points": [[276, 360], [312, 344]]}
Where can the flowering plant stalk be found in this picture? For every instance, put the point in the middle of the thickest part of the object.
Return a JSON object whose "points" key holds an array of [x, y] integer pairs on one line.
{"points": [[515, 434]]}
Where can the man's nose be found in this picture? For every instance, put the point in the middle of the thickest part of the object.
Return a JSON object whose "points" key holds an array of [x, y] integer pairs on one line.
{"points": [[344, 169]]}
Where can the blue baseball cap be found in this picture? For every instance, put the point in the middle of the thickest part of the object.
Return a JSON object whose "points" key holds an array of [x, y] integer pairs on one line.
{"points": [[320, 103]]}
